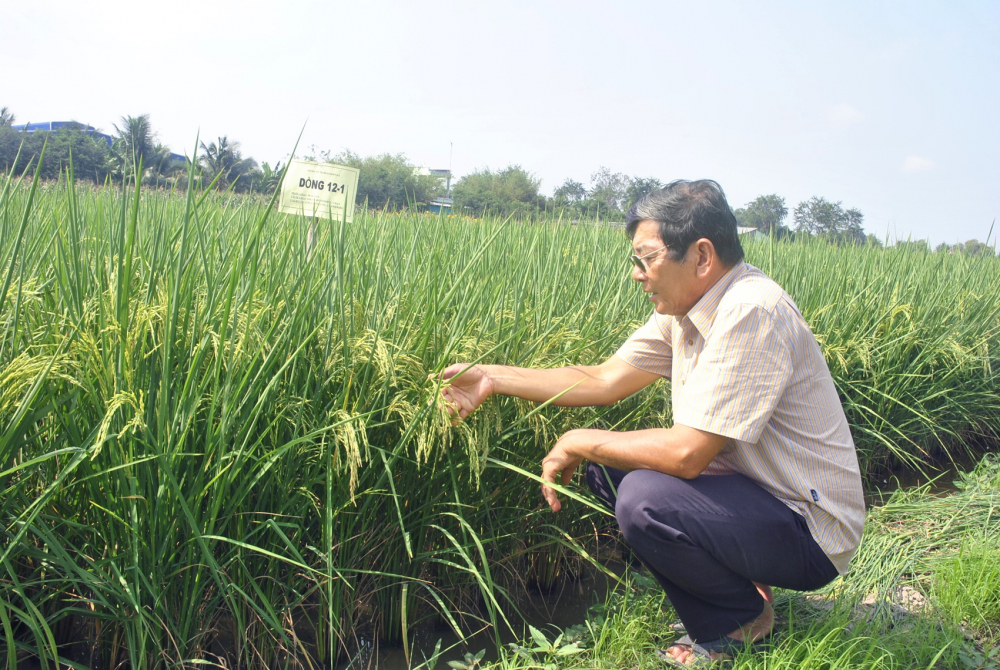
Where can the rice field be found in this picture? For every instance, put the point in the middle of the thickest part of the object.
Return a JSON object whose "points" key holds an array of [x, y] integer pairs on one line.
{"points": [[220, 438]]}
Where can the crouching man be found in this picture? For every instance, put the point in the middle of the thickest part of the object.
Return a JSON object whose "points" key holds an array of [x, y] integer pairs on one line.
{"points": [[757, 482]]}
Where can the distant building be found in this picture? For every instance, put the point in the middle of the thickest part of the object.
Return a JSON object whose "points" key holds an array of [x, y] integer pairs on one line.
{"points": [[442, 204], [58, 125], [443, 174], [752, 232]]}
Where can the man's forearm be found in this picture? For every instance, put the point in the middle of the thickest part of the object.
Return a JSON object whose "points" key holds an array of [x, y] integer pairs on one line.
{"points": [[680, 450], [584, 385], [579, 385]]}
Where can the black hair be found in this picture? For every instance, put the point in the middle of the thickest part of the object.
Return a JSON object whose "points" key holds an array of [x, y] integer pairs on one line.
{"points": [[688, 211]]}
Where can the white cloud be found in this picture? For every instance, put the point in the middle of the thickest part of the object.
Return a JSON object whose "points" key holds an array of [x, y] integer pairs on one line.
{"points": [[844, 115], [914, 164]]}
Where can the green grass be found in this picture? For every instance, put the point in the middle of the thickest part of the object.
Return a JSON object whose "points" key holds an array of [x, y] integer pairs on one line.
{"points": [[967, 586], [218, 441]]}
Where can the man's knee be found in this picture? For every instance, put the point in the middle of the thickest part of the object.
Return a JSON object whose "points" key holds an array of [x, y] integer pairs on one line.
{"points": [[603, 483], [642, 495]]}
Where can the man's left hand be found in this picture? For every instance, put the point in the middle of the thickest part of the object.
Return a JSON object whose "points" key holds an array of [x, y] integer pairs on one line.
{"points": [[561, 459], [680, 451]]}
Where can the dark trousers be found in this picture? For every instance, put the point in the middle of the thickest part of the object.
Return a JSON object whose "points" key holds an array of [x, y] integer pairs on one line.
{"points": [[706, 540]]}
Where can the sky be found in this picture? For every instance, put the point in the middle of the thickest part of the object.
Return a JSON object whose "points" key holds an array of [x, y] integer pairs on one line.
{"points": [[887, 107]]}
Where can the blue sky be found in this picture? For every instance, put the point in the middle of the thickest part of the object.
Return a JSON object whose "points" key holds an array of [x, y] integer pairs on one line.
{"points": [[889, 107]]}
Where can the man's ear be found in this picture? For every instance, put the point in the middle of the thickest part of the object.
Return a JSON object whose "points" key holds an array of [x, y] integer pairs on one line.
{"points": [[707, 258]]}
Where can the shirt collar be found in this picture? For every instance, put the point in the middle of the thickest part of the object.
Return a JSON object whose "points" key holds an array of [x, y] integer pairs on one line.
{"points": [[702, 315]]}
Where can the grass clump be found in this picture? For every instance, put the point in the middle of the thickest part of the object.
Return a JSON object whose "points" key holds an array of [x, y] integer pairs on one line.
{"points": [[966, 585]]}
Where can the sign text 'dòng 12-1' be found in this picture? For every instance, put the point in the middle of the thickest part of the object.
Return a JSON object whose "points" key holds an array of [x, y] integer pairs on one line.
{"points": [[324, 190]]}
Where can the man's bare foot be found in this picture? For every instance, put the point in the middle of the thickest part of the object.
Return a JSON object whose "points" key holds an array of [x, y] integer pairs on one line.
{"points": [[753, 631]]}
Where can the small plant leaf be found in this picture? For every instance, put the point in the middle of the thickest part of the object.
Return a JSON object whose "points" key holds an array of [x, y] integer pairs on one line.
{"points": [[539, 638], [569, 649]]}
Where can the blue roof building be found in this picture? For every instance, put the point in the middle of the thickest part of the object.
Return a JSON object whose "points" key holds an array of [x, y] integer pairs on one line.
{"points": [[58, 125], [443, 204], [50, 126]]}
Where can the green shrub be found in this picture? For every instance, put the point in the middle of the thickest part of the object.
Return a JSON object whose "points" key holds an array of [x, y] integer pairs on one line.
{"points": [[90, 154]]}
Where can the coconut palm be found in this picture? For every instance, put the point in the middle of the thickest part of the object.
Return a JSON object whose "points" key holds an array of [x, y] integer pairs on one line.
{"points": [[6, 117], [136, 142], [269, 177], [223, 159]]}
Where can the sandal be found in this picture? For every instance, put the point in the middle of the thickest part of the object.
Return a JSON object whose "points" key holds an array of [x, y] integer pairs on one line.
{"points": [[703, 650]]}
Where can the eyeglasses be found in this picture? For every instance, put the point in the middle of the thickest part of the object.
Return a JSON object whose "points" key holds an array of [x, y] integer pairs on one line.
{"points": [[637, 260]]}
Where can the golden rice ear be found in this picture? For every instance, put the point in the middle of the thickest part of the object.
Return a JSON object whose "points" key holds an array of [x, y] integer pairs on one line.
{"points": [[351, 446]]}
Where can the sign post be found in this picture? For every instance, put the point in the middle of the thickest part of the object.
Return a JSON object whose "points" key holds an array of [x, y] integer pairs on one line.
{"points": [[321, 190]]}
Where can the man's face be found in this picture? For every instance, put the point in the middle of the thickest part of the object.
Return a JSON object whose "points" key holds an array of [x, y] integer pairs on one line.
{"points": [[673, 286]]}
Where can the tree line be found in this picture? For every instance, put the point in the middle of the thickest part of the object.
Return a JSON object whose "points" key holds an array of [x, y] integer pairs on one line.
{"points": [[821, 218], [134, 152], [816, 216], [391, 181]]}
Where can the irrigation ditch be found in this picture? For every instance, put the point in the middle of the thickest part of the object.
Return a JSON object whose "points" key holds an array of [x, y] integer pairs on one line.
{"points": [[564, 606]]}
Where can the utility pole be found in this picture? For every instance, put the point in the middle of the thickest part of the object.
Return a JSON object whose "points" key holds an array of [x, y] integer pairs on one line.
{"points": [[451, 153]]}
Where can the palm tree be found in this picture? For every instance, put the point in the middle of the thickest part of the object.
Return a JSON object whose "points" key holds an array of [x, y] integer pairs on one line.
{"points": [[6, 117], [269, 177], [225, 160], [135, 141]]}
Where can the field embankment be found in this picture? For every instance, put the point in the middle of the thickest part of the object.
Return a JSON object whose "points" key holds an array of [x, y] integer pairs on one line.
{"points": [[219, 439]]}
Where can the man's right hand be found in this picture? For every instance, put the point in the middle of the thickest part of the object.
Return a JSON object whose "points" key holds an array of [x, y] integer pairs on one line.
{"points": [[464, 392]]}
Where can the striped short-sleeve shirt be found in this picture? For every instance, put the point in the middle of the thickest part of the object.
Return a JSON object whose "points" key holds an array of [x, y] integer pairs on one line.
{"points": [[744, 364]]}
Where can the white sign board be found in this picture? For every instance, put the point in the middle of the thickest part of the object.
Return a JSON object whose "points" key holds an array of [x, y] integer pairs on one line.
{"points": [[319, 189]]}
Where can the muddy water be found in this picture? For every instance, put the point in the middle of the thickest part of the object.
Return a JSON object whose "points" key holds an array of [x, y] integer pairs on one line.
{"points": [[940, 480], [550, 612]]}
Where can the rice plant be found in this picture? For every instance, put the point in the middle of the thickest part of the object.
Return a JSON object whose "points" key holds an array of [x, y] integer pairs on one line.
{"points": [[911, 338], [221, 442]]}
